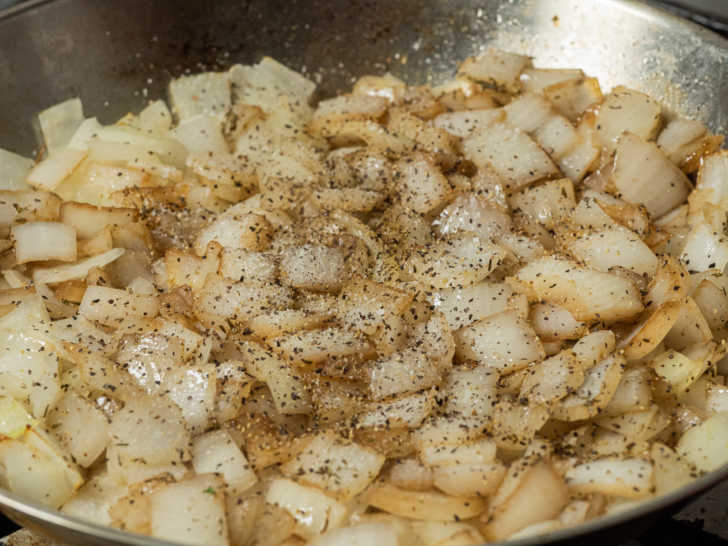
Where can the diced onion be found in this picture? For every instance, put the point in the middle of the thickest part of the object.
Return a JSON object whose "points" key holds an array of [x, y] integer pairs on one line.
{"points": [[44, 241]]}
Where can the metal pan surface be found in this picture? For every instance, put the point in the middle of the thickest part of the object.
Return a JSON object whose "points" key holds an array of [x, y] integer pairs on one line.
{"points": [[118, 55]]}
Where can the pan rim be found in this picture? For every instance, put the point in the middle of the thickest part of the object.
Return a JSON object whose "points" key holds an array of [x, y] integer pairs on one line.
{"points": [[23, 6]]}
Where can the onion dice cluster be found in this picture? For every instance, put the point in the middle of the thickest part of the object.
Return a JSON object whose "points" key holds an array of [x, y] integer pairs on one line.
{"points": [[407, 315]]}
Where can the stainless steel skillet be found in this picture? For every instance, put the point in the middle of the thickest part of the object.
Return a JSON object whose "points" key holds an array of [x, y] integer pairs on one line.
{"points": [[116, 55]]}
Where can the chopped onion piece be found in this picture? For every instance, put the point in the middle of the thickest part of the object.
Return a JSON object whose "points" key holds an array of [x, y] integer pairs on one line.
{"points": [[58, 123], [650, 332], [423, 505], [314, 511], [598, 388], [633, 392], [360, 534], [461, 260], [587, 294], [350, 468], [678, 133], [705, 444], [201, 134], [503, 341], [552, 322], [111, 306], [552, 379], [572, 97], [547, 204], [35, 469], [14, 419], [712, 177], [79, 270], [511, 153], [643, 175], [207, 94], [216, 452], [408, 411], [469, 480], [530, 493], [272, 77], [626, 478], [79, 427], [615, 247], [537, 79], [193, 389], [51, 172], [44, 241], [463, 306], [424, 187], [29, 364], [14, 170], [95, 498], [149, 428], [678, 370], [89, 220], [172, 507], [467, 122], [470, 392], [314, 267], [627, 110], [286, 385], [704, 249], [495, 66], [88, 129], [671, 471]]}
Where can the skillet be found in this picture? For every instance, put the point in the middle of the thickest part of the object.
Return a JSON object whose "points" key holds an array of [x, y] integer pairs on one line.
{"points": [[118, 55]]}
